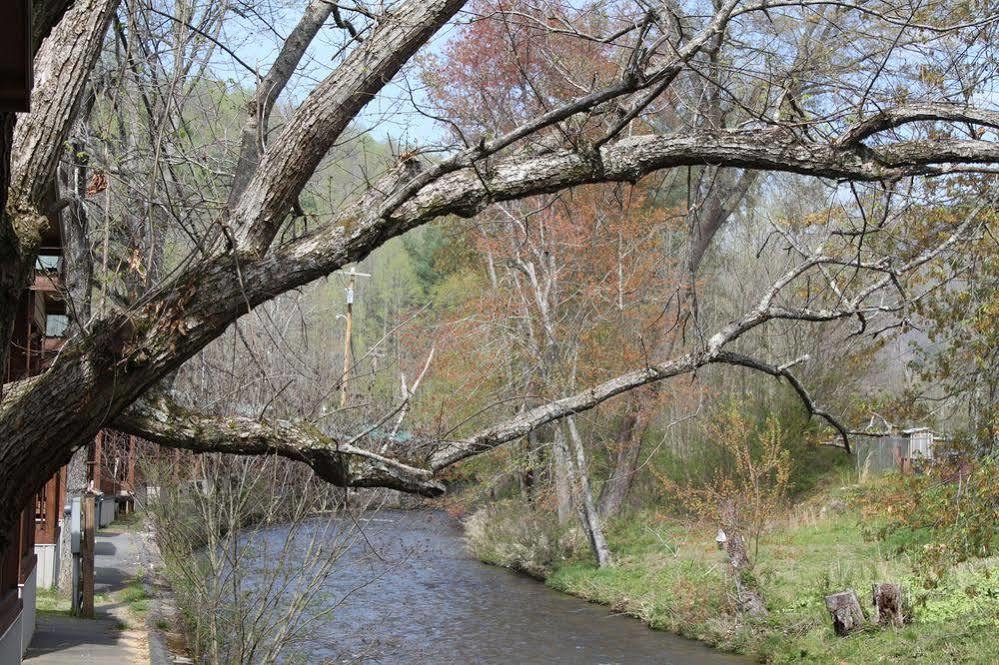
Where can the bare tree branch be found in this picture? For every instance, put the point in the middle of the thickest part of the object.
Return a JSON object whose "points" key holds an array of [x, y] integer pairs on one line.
{"points": [[258, 109], [161, 420], [62, 69], [784, 372], [908, 113], [292, 159]]}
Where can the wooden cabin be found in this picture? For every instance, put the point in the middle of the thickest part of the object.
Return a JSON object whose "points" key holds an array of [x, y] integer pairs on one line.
{"points": [[38, 335]]}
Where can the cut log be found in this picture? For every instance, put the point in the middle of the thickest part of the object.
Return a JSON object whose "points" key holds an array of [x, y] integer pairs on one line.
{"points": [[887, 599], [846, 613]]}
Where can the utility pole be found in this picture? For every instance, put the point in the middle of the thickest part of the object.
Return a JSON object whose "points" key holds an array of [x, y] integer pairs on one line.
{"points": [[346, 337]]}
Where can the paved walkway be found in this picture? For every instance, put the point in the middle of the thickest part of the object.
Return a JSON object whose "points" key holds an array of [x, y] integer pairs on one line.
{"points": [[64, 640]]}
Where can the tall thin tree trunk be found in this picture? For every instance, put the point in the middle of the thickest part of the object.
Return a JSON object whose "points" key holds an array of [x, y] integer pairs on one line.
{"points": [[561, 473], [587, 506], [525, 476], [71, 183]]}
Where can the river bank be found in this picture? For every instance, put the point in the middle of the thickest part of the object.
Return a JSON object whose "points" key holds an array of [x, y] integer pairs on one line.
{"points": [[405, 590], [670, 575]]}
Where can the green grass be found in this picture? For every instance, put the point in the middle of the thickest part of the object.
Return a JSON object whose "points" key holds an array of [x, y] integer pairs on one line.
{"points": [[50, 601], [671, 575], [136, 597]]}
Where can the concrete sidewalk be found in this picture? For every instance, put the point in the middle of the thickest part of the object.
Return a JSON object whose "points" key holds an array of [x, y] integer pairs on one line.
{"points": [[65, 640]]}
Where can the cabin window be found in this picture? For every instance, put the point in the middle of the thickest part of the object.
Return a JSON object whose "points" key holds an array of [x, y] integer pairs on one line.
{"points": [[56, 325], [48, 263]]}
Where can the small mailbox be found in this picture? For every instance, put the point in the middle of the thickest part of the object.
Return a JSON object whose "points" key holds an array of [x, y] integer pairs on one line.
{"points": [[15, 55]]}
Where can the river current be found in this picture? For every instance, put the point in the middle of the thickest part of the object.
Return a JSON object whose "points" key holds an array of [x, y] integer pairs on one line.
{"points": [[411, 594]]}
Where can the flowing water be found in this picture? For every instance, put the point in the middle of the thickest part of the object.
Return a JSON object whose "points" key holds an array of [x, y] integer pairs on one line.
{"points": [[423, 600]]}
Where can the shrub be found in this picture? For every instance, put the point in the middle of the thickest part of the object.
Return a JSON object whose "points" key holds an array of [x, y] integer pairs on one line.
{"points": [[513, 535], [944, 516], [750, 485]]}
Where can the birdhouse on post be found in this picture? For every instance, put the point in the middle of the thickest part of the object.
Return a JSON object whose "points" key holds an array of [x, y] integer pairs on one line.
{"points": [[15, 55]]}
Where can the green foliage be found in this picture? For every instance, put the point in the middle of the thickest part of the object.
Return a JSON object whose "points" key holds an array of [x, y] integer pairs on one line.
{"points": [[704, 454], [944, 516], [748, 490], [963, 326], [135, 596], [669, 574]]}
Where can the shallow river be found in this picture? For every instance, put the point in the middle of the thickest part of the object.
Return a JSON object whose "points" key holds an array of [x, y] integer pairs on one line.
{"points": [[428, 602]]}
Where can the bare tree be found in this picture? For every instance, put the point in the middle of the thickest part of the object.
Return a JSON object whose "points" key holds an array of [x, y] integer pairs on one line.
{"points": [[854, 130], [247, 546]]}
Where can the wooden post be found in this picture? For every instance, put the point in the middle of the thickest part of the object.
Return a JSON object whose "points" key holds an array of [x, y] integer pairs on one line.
{"points": [[887, 599], [87, 542], [130, 477], [95, 471], [846, 613]]}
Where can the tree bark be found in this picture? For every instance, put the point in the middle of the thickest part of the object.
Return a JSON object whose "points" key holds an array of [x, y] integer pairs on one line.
{"points": [[287, 165], [628, 459], [62, 69], [845, 610], [258, 110], [589, 516], [71, 184], [748, 597], [562, 477], [888, 604], [76, 486], [45, 15], [13, 271]]}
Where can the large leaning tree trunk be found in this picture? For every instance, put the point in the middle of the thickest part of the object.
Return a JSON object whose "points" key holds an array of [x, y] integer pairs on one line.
{"points": [[17, 235], [109, 374]]}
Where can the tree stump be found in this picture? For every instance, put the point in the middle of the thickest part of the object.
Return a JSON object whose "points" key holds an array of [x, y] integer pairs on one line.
{"points": [[846, 613], [887, 599]]}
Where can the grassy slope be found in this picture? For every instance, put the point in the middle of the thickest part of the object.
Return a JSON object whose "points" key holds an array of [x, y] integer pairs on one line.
{"points": [[672, 576]]}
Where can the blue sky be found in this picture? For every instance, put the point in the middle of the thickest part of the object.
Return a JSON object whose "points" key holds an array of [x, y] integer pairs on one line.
{"points": [[390, 115]]}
